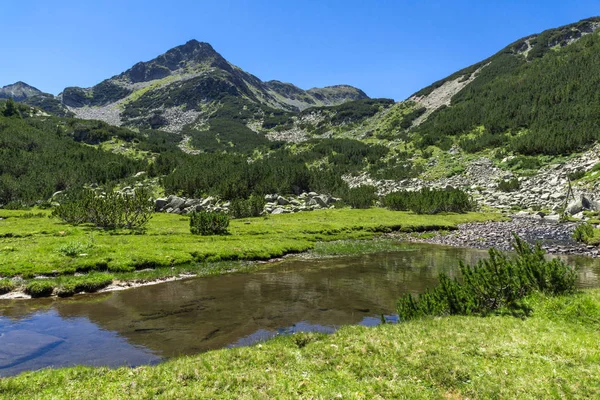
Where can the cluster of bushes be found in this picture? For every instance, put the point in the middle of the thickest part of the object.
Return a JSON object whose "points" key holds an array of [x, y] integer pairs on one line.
{"points": [[430, 201], [498, 283], [109, 210], [509, 185], [246, 208], [209, 223]]}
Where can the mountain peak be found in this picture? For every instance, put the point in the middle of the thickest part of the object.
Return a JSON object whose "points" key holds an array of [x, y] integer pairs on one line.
{"points": [[19, 91], [191, 55]]}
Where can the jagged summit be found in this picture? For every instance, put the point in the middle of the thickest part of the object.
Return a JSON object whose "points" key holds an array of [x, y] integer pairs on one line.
{"points": [[186, 83], [19, 91], [187, 56]]}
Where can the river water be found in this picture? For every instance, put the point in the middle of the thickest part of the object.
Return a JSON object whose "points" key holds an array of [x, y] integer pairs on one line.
{"points": [[149, 324]]}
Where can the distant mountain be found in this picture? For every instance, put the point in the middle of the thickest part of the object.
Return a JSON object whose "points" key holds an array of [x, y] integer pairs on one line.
{"points": [[186, 83], [24, 93], [19, 91]]}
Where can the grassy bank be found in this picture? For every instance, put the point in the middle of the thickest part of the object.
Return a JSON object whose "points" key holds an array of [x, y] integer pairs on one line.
{"points": [[73, 258], [552, 354]]}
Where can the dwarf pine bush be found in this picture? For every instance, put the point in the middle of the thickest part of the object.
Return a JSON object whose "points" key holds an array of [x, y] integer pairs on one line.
{"points": [[430, 201], [583, 233], [208, 223], [251, 207], [496, 283], [360, 197], [110, 210]]}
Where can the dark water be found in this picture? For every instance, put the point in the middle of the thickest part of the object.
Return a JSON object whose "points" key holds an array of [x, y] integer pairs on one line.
{"points": [[148, 324]]}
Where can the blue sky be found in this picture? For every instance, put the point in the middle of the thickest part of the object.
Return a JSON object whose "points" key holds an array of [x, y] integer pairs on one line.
{"points": [[387, 48]]}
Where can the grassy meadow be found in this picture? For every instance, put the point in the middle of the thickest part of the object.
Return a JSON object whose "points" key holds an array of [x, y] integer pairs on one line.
{"points": [[73, 259]]}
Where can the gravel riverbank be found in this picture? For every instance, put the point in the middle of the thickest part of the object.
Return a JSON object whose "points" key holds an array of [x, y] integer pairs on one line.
{"points": [[555, 237]]}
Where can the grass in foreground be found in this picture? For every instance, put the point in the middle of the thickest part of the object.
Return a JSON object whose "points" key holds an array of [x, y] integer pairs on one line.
{"points": [[31, 244], [552, 354]]}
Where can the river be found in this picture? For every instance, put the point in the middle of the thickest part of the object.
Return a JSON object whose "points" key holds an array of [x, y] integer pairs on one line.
{"points": [[149, 324]]}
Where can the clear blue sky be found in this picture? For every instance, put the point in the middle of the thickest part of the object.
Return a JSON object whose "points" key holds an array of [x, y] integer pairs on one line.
{"points": [[387, 48]]}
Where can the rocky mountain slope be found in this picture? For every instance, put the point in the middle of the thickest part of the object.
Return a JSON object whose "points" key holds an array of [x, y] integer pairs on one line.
{"points": [[19, 91], [186, 83]]}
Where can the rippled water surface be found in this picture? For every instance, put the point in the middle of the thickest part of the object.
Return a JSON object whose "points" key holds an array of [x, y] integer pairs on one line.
{"points": [[148, 324]]}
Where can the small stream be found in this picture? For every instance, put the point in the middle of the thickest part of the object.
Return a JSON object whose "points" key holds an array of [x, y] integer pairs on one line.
{"points": [[149, 324]]}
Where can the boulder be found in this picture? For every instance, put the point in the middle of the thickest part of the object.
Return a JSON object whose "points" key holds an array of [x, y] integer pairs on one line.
{"points": [[282, 201], [574, 207], [207, 201], [278, 211], [321, 200], [160, 204], [176, 203], [552, 217]]}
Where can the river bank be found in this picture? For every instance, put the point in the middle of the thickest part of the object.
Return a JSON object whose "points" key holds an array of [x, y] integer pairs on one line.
{"points": [[553, 353], [555, 237], [43, 257]]}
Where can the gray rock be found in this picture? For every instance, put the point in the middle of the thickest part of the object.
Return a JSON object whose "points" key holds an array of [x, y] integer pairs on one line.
{"points": [[322, 200], [278, 211], [160, 204], [208, 201], [574, 207], [282, 201], [176, 203]]}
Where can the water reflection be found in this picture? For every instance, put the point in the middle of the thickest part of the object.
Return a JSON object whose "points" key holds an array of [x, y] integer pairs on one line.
{"points": [[147, 324]]}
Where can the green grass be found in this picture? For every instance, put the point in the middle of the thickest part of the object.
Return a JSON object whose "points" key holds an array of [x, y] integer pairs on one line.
{"points": [[356, 247], [44, 246], [552, 354]]}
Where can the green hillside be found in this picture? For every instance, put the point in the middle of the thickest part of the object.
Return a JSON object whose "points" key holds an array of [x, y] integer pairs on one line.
{"points": [[537, 96]]}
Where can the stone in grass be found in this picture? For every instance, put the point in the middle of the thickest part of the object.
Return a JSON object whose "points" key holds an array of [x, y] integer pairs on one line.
{"points": [[278, 211]]}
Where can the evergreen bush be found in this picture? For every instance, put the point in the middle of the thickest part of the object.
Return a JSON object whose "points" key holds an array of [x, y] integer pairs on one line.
{"points": [[583, 233], [109, 210], [510, 185], [246, 208], [208, 223], [495, 284], [360, 197], [430, 201]]}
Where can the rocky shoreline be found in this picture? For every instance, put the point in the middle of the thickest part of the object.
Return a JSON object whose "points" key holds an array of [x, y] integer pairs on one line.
{"points": [[555, 237]]}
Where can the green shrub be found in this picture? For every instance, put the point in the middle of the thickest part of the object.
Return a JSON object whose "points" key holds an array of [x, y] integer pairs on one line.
{"points": [[6, 285], [208, 223], [492, 285], [89, 284], [583, 233], [39, 288], [251, 207], [510, 185], [576, 175], [430, 201], [73, 249], [110, 210], [360, 197]]}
